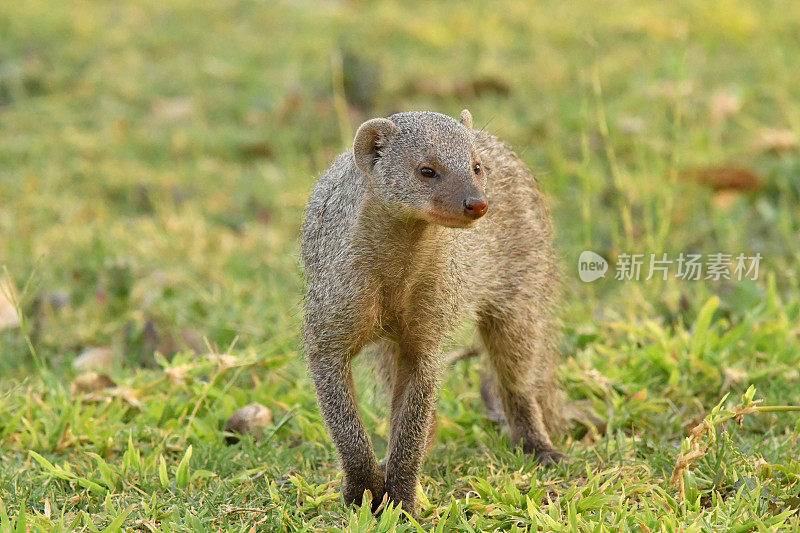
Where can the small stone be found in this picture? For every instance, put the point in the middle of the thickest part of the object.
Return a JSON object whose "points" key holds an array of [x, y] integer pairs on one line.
{"points": [[249, 420], [94, 359], [90, 382]]}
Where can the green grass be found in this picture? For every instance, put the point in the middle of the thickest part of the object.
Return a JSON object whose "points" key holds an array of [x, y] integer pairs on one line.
{"points": [[154, 161]]}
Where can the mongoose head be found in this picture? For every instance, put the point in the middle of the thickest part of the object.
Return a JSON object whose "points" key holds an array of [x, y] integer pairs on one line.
{"points": [[424, 165]]}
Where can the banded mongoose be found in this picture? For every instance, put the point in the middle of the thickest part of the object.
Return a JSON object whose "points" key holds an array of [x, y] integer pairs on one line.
{"points": [[427, 221]]}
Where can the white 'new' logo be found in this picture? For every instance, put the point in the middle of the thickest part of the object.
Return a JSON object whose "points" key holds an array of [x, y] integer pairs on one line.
{"points": [[591, 266]]}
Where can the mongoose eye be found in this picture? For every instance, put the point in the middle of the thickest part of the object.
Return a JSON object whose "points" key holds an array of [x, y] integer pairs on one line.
{"points": [[427, 172], [477, 168]]}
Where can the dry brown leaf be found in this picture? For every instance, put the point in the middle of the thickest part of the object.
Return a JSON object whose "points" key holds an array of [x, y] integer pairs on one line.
{"points": [[224, 361], [176, 374], [692, 423], [128, 395], [257, 150], [67, 439], [725, 178], [682, 463], [488, 85]]}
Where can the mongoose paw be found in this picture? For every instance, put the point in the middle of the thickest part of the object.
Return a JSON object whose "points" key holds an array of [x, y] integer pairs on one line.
{"points": [[548, 458], [353, 490], [409, 503]]}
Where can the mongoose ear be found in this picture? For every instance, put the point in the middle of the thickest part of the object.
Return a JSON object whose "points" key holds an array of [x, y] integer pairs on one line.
{"points": [[371, 137], [466, 118]]}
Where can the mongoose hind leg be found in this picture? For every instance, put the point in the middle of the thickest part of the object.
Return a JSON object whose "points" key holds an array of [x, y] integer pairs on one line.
{"points": [[520, 361]]}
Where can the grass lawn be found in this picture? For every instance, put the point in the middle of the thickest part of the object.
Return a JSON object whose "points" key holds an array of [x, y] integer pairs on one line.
{"points": [[155, 158]]}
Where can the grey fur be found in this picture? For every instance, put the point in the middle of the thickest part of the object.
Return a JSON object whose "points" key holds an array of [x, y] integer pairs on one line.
{"points": [[394, 258]]}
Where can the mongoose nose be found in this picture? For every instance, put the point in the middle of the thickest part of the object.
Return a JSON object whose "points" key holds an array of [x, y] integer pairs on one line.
{"points": [[475, 207]]}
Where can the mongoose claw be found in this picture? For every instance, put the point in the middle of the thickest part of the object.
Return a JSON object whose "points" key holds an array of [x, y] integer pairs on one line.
{"points": [[548, 458], [353, 491], [408, 501]]}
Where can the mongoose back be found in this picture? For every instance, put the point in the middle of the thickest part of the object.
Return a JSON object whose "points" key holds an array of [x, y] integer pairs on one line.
{"points": [[425, 222]]}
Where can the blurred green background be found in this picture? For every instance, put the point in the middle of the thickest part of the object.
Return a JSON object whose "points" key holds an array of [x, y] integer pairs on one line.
{"points": [[155, 158]]}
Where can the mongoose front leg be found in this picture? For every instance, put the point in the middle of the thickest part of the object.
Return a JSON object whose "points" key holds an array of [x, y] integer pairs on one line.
{"points": [[333, 381], [413, 407], [386, 356]]}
